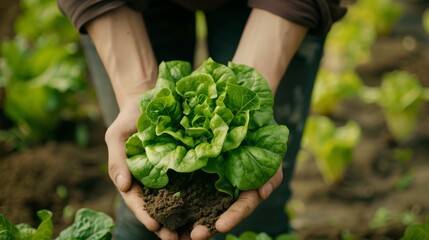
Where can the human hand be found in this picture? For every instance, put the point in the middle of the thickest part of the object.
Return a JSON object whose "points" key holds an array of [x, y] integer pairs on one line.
{"points": [[116, 136], [245, 204]]}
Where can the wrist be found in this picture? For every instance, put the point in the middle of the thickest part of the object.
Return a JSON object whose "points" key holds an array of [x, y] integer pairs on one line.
{"points": [[129, 102], [133, 78], [130, 93]]}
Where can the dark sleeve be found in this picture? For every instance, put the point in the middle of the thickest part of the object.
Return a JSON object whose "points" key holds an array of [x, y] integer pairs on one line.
{"points": [[81, 12], [317, 15]]}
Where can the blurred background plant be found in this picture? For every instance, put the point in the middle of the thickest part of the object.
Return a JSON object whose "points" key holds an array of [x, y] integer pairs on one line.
{"points": [[401, 98], [349, 41], [331, 146], [400, 94], [42, 75], [348, 44], [88, 224]]}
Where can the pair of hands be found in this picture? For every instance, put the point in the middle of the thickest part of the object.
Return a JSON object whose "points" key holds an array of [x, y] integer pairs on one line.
{"points": [[118, 133], [268, 43]]}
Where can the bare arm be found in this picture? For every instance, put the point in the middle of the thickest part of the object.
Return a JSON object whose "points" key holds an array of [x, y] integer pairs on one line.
{"points": [[268, 44], [121, 40], [124, 47]]}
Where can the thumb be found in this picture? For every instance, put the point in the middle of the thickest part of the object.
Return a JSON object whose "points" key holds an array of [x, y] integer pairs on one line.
{"points": [[266, 190], [118, 169]]}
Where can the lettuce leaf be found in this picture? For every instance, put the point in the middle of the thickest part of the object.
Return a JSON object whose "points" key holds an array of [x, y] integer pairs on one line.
{"points": [[23, 231], [89, 224], [417, 231], [218, 119]]}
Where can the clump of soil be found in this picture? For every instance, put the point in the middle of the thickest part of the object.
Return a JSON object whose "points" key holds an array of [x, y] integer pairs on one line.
{"points": [[189, 199]]}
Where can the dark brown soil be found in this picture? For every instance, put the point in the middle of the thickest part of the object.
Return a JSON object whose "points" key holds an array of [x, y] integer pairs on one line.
{"points": [[188, 200]]}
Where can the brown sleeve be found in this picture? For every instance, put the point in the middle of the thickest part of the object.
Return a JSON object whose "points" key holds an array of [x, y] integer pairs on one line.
{"points": [[81, 12], [317, 15]]}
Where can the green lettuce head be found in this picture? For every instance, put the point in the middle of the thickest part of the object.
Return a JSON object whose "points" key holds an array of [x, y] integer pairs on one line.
{"points": [[217, 118]]}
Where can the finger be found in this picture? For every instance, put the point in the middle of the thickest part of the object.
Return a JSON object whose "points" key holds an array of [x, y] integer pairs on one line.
{"points": [[133, 199], [266, 190], [239, 210], [166, 234], [118, 169], [200, 232]]}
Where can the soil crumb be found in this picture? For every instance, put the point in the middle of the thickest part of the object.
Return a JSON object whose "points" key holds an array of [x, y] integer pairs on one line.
{"points": [[189, 199]]}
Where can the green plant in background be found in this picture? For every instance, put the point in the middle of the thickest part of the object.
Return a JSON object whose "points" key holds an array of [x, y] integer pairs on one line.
{"points": [[404, 182], [333, 87], [401, 97], [52, 27], [88, 224], [425, 20], [379, 15], [331, 146], [36, 94], [384, 217], [24, 231], [42, 72], [347, 235], [348, 44], [349, 41], [417, 231]]}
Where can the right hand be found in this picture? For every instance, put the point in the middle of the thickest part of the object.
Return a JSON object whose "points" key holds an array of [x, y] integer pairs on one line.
{"points": [[116, 136]]}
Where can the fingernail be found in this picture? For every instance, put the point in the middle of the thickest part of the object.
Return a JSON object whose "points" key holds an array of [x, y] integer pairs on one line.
{"points": [[120, 182]]}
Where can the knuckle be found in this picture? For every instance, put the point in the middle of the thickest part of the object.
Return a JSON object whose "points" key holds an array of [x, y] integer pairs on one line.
{"points": [[110, 134], [113, 169], [119, 130]]}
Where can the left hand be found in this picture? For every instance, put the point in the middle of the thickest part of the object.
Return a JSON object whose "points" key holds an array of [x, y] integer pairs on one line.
{"points": [[245, 204], [116, 136]]}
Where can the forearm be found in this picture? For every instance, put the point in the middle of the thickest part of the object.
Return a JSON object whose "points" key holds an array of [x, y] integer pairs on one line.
{"points": [[121, 40], [268, 44]]}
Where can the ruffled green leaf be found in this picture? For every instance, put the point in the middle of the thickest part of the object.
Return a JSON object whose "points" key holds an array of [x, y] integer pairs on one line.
{"points": [[89, 224], [195, 85], [146, 173], [217, 118], [248, 77], [7, 229], [221, 74], [251, 166]]}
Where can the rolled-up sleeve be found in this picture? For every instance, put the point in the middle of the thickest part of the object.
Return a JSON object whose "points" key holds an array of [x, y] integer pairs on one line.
{"points": [[81, 12], [317, 15]]}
